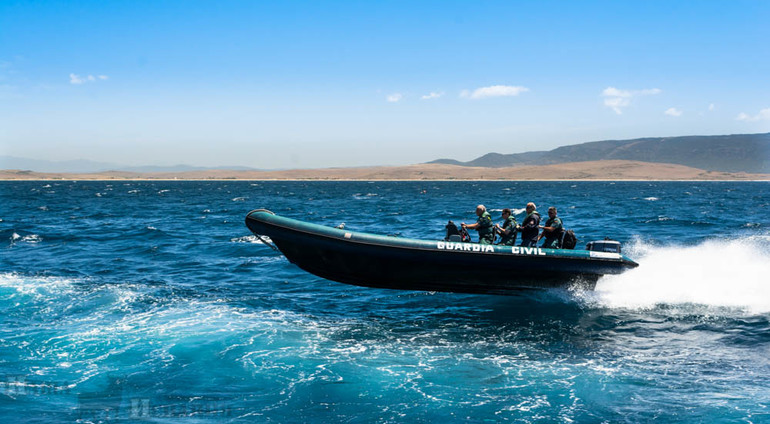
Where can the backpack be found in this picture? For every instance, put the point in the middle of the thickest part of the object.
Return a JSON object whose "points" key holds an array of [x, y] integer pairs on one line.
{"points": [[568, 241]]}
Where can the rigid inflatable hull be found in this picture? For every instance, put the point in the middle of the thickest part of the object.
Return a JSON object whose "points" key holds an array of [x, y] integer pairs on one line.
{"points": [[387, 262]]}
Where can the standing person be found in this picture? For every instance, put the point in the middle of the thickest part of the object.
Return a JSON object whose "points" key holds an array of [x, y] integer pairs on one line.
{"points": [[483, 225], [508, 230], [552, 230], [530, 226]]}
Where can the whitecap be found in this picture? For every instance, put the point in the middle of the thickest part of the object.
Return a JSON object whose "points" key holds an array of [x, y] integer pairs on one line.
{"points": [[37, 287], [250, 239], [133, 191], [661, 218], [651, 199], [31, 238], [163, 191], [239, 199]]}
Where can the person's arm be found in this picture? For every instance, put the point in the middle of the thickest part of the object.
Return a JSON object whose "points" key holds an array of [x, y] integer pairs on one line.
{"points": [[529, 223], [554, 227]]}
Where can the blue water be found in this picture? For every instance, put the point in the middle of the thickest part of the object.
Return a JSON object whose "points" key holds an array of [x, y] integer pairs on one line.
{"points": [[151, 300]]}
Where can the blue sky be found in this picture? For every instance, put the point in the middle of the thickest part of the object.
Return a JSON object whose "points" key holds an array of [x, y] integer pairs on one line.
{"points": [[320, 84]]}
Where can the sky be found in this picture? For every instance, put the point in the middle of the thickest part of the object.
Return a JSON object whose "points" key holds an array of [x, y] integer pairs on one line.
{"points": [[294, 84]]}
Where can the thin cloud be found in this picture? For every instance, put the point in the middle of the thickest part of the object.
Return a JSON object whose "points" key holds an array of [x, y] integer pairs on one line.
{"points": [[493, 91], [78, 80], [617, 99], [432, 95], [712, 107], [672, 111], [395, 97], [763, 115]]}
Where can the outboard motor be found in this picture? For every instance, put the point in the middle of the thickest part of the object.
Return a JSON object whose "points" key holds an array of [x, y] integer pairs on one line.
{"points": [[455, 234], [606, 245]]}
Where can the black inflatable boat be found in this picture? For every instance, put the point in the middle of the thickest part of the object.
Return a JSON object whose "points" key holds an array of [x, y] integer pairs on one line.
{"points": [[372, 260]]}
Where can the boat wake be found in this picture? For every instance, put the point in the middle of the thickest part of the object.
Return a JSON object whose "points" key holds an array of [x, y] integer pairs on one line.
{"points": [[718, 274]]}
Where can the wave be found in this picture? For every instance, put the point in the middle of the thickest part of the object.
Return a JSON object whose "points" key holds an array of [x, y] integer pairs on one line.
{"points": [[26, 238], [250, 239], [361, 196], [35, 287], [722, 274]]}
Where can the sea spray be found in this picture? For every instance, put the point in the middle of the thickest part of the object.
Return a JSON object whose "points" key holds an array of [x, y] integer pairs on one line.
{"points": [[717, 273]]}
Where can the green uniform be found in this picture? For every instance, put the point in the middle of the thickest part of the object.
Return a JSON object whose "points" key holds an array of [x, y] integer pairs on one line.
{"points": [[552, 238], [508, 236], [486, 235]]}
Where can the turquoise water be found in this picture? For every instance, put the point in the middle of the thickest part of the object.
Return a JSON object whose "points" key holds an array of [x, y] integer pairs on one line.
{"points": [[151, 301]]}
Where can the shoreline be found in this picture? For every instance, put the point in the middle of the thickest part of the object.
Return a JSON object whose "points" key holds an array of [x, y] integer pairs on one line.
{"points": [[606, 170], [332, 180]]}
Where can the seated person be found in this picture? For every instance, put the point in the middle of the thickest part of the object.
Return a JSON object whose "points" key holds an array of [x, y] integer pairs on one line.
{"points": [[508, 230], [530, 227], [552, 231], [483, 225]]}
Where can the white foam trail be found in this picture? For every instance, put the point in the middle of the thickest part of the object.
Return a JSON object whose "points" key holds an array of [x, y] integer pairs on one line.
{"points": [[732, 274]]}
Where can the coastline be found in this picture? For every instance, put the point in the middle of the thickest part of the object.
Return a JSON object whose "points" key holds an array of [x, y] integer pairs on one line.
{"points": [[609, 170]]}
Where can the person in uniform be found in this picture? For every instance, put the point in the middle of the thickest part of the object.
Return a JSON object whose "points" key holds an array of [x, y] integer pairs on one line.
{"points": [[552, 230], [483, 225], [529, 228], [508, 231]]}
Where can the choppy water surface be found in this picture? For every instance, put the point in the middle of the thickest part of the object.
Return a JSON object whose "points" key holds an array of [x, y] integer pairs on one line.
{"points": [[151, 300]]}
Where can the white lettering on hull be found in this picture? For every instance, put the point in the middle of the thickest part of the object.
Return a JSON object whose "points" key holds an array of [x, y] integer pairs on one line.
{"points": [[518, 250], [486, 248]]}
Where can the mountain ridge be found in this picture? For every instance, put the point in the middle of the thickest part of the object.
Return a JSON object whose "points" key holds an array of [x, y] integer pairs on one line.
{"points": [[723, 153]]}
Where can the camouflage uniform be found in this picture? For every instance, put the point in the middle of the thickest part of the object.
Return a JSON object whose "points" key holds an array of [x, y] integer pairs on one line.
{"points": [[508, 236], [486, 235], [552, 238]]}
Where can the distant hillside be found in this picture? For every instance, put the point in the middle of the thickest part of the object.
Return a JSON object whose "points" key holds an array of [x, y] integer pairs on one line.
{"points": [[725, 153]]}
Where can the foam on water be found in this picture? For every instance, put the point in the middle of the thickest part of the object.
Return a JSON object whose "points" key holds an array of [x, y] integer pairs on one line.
{"points": [[34, 287], [251, 239], [732, 274]]}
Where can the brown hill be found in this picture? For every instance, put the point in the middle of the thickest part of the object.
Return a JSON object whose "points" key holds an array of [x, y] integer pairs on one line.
{"points": [[592, 170]]}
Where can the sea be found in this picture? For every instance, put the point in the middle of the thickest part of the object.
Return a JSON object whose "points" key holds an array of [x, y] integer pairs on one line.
{"points": [[150, 301]]}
